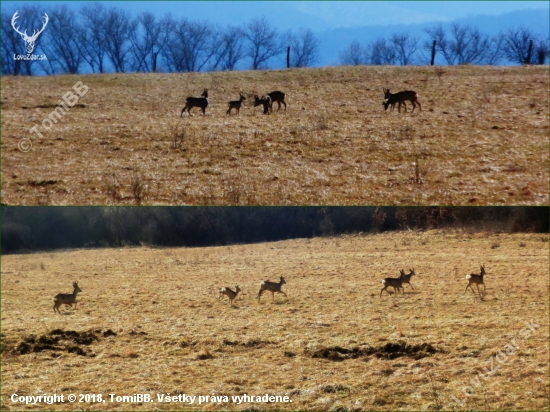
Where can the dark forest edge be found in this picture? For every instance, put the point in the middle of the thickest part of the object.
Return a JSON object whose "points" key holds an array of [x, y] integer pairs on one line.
{"points": [[32, 229]]}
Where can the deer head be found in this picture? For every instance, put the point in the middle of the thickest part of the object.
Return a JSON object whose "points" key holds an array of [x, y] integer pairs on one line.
{"points": [[29, 40]]}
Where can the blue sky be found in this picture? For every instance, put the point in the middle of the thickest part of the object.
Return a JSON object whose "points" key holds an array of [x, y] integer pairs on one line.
{"points": [[316, 15]]}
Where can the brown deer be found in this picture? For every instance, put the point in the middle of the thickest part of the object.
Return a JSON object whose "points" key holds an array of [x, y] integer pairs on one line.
{"points": [[236, 104], [201, 102], [477, 279], [407, 278], [395, 283], [401, 97], [277, 97], [265, 101], [66, 298], [229, 293], [271, 287]]}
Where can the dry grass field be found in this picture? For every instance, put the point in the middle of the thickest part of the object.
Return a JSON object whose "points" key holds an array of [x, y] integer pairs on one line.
{"points": [[481, 138], [149, 321]]}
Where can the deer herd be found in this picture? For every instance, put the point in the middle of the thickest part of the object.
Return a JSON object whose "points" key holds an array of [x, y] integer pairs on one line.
{"points": [[267, 286], [267, 100]]}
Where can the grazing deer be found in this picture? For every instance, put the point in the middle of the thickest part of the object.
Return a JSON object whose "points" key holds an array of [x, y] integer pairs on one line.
{"points": [[229, 293], [477, 279], [66, 298], [401, 97], [201, 102], [395, 283], [265, 101], [236, 104], [277, 97], [407, 278], [271, 287]]}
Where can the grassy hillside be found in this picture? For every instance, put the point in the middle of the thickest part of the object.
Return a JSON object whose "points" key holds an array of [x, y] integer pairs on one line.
{"points": [[149, 321], [481, 138]]}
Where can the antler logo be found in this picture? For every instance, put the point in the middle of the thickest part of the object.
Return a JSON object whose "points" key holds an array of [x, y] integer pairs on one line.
{"points": [[29, 40]]}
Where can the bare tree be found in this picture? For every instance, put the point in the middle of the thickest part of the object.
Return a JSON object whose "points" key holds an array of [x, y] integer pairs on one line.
{"points": [[405, 47], [189, 48], [118, 27], [92, 36], [63, 47], [353, 55], [263, 43], [379, 52], [304, 48], [517, 42], [464, 45], [542, 50], [149, 38], [229, 48]]}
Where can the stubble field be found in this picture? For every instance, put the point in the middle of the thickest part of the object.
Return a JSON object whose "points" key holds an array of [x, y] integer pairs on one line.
{"points": [[149, 321], [481, 138]]}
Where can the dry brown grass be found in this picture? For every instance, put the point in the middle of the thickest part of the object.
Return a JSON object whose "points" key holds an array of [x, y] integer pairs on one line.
{"points": [[482, 138], [174, 336]]}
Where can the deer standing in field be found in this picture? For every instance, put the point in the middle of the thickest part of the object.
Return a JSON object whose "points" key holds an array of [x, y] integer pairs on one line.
{"points": [[407, 278], [201, 102], [66, 298], [271, 287], [236, 104], [277, 97], [264, 101], [477, 279], [395, 283], [401, 97], [229, 293]]}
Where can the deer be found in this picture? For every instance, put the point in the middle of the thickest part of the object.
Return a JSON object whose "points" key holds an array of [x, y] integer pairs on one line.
{"points": [[271, 287], [394, 282], [201, 102], [407, 278], [29, 40], [265, 101], [277, 97], [477, 279], [229, 293], [66, 298], [401, 97], [236, 104]]}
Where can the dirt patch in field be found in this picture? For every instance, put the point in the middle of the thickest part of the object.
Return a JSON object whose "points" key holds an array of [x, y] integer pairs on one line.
{"points": [[387, 351], [60, 341]]}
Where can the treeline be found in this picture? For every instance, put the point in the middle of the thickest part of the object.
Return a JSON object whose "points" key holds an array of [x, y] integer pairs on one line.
{"points": [[27, 229], [102, 39], [459, 44]]}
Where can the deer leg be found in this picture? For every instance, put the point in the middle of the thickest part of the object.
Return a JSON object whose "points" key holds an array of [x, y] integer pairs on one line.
{"points": [[383, 289], [260, 294]]}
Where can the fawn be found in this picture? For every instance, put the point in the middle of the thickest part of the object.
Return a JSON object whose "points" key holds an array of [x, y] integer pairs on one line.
{"points": [[229, 293], [236, 104], [477, 279]]}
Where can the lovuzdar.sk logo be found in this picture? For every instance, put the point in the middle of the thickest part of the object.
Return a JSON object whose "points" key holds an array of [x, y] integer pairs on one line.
{"points": [[29, 40]]}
